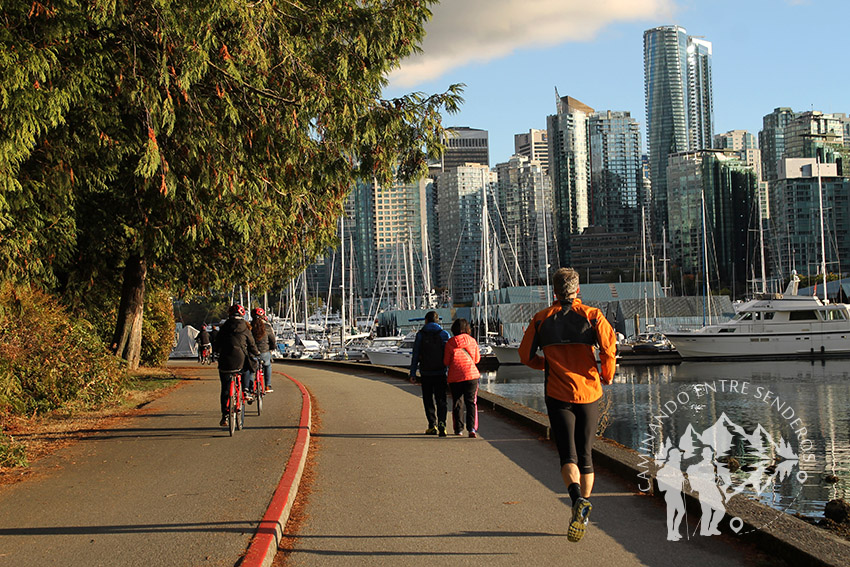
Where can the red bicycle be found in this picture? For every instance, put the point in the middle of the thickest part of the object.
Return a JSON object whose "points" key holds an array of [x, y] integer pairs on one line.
{"points": [[236, 403], [205, 355], [259, 388]]}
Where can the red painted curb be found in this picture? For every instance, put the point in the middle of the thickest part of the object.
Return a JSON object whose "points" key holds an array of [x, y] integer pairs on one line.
{"points": [[263, 546]]}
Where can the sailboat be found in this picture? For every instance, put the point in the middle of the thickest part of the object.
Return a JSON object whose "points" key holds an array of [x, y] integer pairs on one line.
{"points": [[776, 326]]}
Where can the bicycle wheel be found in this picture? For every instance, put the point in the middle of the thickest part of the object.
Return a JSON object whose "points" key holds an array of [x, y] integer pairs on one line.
{"points": [[259, 390], [232, 405], [240, 410]]}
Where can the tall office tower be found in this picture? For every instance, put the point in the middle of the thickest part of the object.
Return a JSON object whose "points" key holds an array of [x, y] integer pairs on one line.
{"points": [[795, 211], [460, 208], [534, 146], [710, 216], [616, 178], [569, 168], [679, 104], [465, 145], [524, 197]]}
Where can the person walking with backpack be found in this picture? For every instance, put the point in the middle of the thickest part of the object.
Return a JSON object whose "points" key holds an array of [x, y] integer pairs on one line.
{"points": [[427, 356], [462, 354]]}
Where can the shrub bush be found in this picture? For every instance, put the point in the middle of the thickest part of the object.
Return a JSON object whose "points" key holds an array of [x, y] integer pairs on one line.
{"points": [[50, 358], [157, 328]]}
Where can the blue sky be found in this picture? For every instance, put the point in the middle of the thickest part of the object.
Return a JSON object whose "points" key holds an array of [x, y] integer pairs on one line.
{"points": [[511, 54]]}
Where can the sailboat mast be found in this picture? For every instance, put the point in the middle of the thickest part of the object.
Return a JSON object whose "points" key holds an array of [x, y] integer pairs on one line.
{"points": [[822, 238], [342, 276], [707, 299], [643, 268], [761, 251]]}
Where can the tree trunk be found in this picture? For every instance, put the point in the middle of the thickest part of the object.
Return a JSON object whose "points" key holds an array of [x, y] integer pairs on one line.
{"points": [[127, 341]]}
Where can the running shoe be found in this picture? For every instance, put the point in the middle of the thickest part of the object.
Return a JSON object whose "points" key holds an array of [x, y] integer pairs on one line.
{"points": [[431, 431], [269, 390], [249, 398], [441, 429], [473, 434], [578, 523], [223, 422]]}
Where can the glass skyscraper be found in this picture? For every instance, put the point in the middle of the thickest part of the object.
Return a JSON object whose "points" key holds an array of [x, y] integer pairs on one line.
{"points": [[679, 105], [616, 178]]}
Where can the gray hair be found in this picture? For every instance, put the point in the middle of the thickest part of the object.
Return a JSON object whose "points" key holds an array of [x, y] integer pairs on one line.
{"points": [[565, 282]]}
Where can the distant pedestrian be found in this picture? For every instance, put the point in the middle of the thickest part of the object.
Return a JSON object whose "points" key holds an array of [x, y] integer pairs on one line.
{"points": [[213, 336], [461, 356], [427, 355], [235, 344], [568, 332]]}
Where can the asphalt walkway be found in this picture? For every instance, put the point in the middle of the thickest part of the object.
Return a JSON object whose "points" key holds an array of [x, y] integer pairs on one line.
{"points": [[170, 488], [385, 494]]}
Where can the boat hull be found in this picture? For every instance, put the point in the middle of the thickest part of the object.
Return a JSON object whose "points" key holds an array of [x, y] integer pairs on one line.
{"points": [[507, 354], [389, 358], [760, 346]]}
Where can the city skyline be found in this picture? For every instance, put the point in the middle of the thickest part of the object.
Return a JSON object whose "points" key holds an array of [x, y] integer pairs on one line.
{"points": [[513, 58]]}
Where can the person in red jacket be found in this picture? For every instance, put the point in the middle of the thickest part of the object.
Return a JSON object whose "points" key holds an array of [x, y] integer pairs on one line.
{"points": [[568, 332], [461, 356]]}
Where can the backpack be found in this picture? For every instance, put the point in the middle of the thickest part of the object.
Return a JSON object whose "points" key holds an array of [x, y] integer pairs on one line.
{"points": [[431, 352]]}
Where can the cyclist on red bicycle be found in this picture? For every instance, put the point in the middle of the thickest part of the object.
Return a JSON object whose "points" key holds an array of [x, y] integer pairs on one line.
{"points": [[234, 344], [204, 344], [266, 342]]}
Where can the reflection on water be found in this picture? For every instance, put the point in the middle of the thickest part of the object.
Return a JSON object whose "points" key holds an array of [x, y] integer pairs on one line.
{"points": [[805, 403]]}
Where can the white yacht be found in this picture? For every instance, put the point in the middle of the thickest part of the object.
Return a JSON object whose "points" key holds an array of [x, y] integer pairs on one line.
{"points": [[391, 351], [507, 354], [773, 326]]}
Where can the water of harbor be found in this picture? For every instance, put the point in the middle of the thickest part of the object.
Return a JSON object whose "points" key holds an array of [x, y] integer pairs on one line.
{"points": [[805, 403]]}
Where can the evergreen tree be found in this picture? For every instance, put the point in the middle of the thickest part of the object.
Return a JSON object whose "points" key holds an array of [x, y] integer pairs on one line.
{"points": [[196, 143]]}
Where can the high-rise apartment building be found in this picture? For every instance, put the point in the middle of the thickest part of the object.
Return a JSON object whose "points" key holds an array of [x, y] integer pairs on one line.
{"points": [[772, 141], [388, 233], [679, 105], [533, 145], [524, 219], [813, 133], [794, 147], [795, 210], [569, 168], [462, 191], [710, 217]]}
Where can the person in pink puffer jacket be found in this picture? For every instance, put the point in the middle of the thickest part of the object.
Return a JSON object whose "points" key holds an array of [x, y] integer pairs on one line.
{"points": [[461, 356]]}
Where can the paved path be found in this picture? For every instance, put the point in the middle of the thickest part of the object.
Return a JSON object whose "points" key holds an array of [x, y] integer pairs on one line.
{"points": [[171, 488], [385, 494], [166, 488]]}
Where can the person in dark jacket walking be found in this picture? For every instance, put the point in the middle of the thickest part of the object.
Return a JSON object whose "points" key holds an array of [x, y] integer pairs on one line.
{"points": [[427, 356], [264, 337], [234, 344]]}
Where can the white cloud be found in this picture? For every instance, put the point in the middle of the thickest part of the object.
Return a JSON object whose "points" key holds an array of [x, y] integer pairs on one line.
{"points": [[467, 31]]}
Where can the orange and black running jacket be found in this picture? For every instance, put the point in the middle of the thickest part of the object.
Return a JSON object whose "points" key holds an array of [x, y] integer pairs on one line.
{"points": [[567, 333]]}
